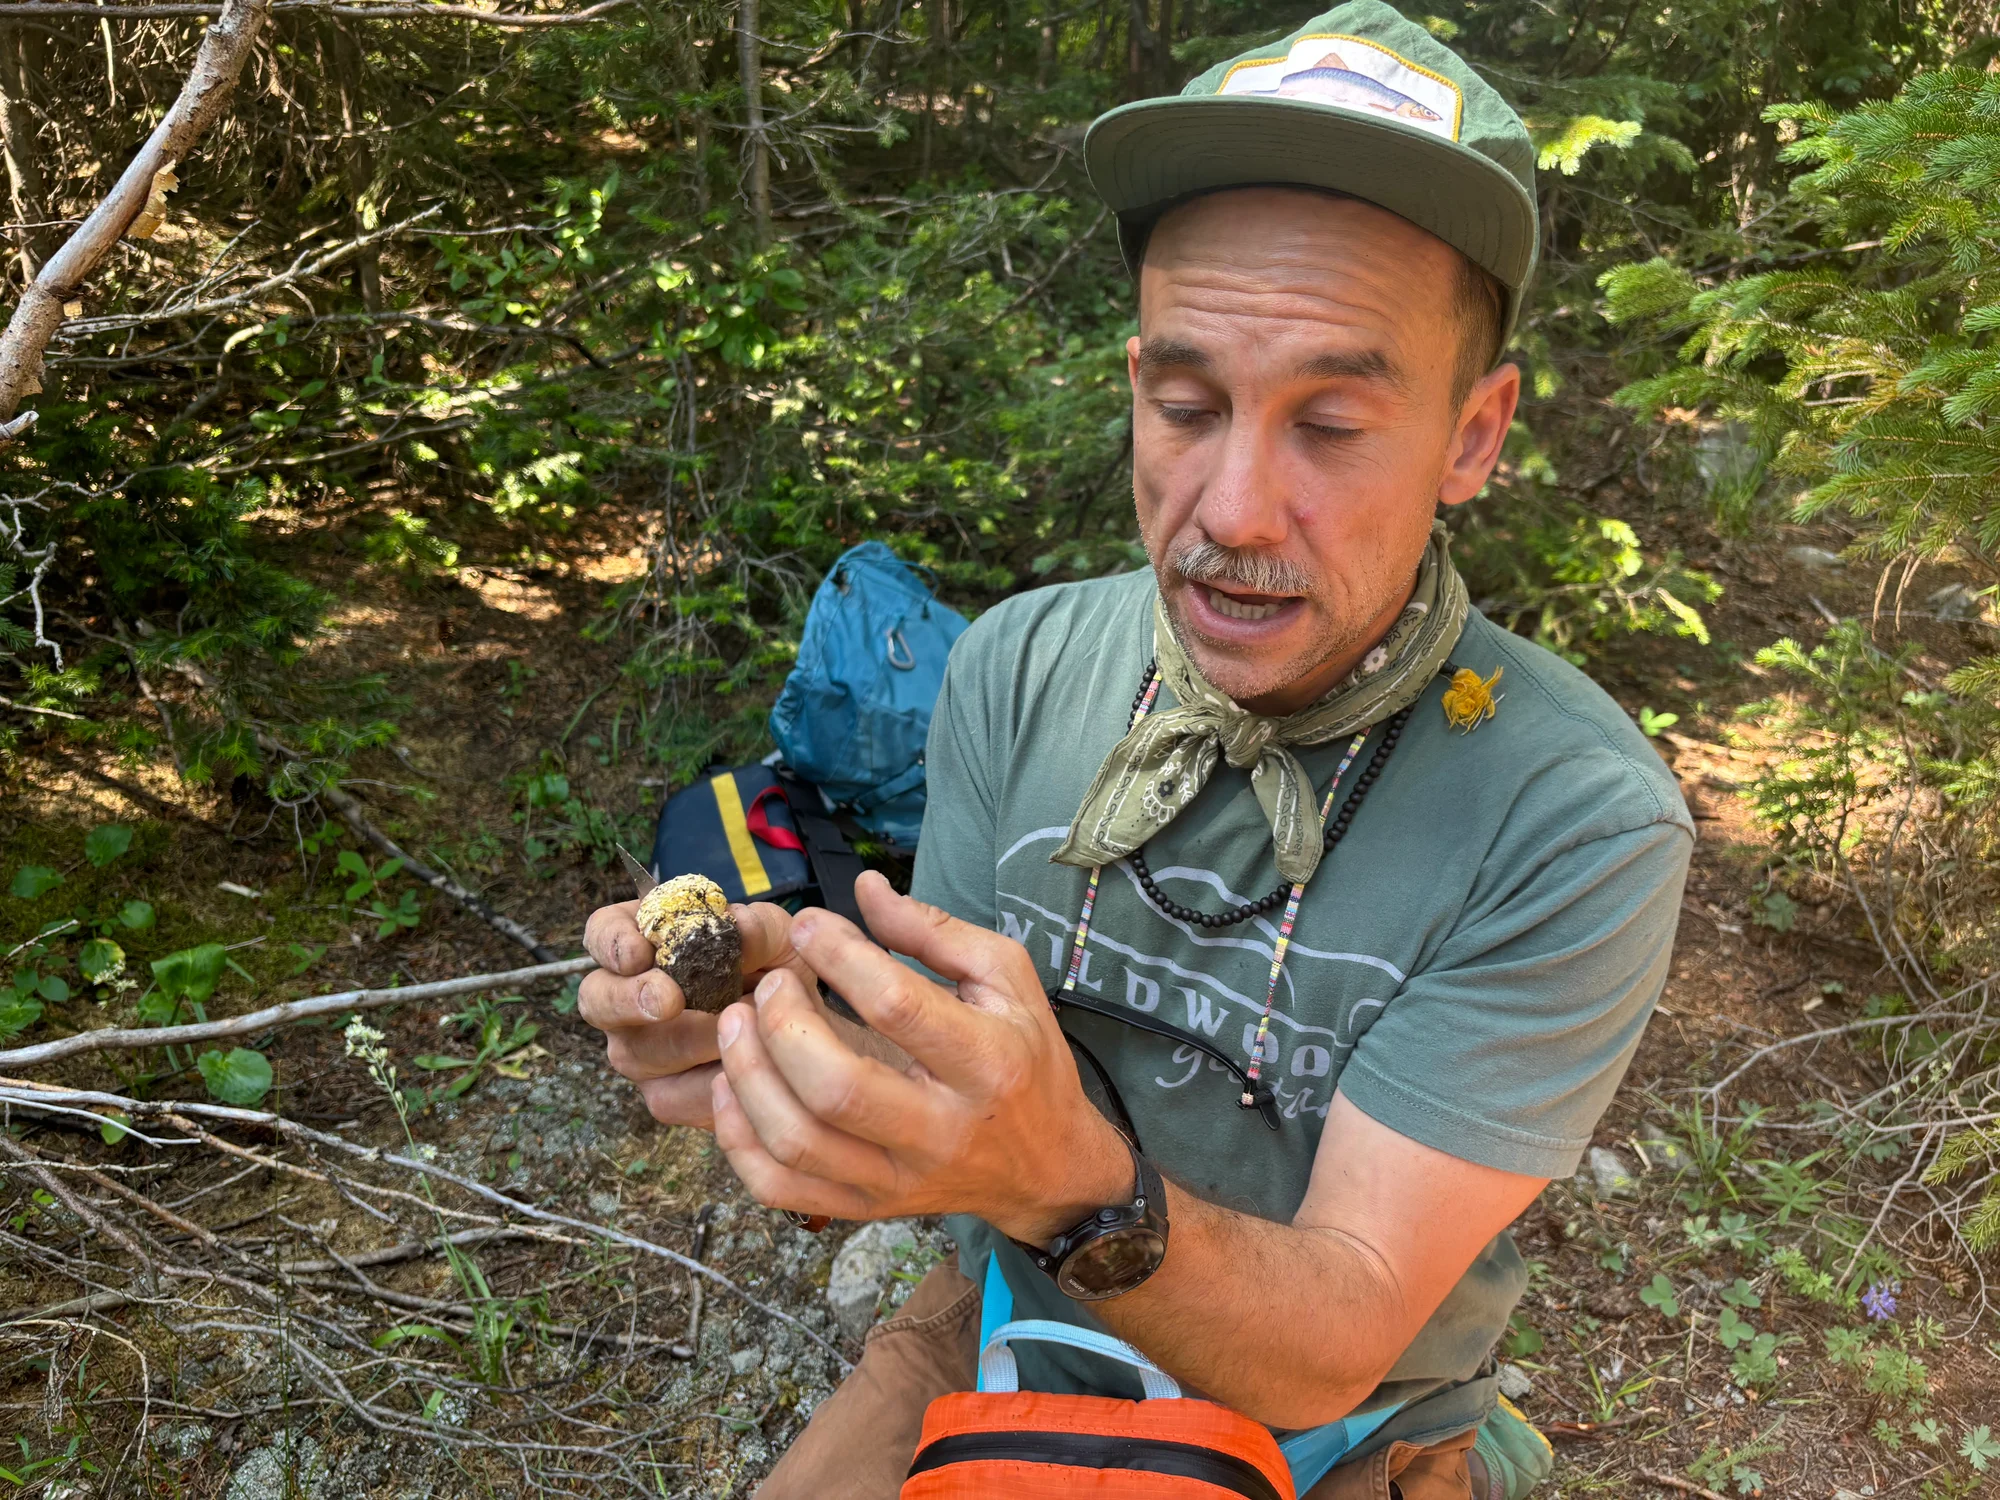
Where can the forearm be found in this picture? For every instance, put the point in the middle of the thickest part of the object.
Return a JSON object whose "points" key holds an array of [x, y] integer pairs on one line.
{"points": [[1292, 1326]]}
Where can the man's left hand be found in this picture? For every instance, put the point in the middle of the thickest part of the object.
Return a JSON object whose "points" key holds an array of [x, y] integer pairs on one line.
{"points": [[988, 1118]]}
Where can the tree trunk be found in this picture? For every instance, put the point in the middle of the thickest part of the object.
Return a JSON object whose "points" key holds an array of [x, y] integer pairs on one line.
{"points": [[357, 169], [225, 47], [750, 63], [25, 197]]}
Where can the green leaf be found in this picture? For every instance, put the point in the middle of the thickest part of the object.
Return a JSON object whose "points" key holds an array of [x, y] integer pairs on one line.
{"points": [[1659, 1295], [1741, 1294], [110, 1129], [1521, 1339], [1775, 910], [404, 1331], [32, 882], [238, 1076], [105, 843], [1654, 725], [99, 957], [1732, 1330], [304, 957], [1979, 1448], [17, 1013], [192, 973], [436, 1064], [137, 915], [158, 1008], [53, 989], [351, 862]]}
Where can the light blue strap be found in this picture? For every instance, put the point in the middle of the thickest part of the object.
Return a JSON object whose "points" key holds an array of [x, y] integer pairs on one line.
{"points": [[997, 1371], [996, 1308], [1310, 1454]]}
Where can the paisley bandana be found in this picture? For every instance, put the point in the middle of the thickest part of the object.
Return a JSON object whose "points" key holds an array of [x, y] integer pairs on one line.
{"points": [[1168, 756]]}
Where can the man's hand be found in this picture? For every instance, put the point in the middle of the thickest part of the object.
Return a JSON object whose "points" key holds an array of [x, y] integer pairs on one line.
{"points": [[651, 1037], [988, 1117]]}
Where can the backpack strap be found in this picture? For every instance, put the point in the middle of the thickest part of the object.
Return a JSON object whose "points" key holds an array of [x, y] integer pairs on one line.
{"points": [[835, 865], [997, 1370], [907, 780]]}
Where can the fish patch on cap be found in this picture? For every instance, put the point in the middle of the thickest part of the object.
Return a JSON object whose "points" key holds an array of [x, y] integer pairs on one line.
{"points": [[1352, 74]]}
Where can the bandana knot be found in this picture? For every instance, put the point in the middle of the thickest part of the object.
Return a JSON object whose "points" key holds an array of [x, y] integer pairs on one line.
{"points": [[1164, 760]]}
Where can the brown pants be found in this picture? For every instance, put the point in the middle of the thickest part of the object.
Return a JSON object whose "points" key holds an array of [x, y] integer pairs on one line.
{"points": [[860, 1441]]}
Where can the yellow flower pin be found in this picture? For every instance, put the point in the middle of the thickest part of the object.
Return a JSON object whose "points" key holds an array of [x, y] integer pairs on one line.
{"points": [[1470, 699]]}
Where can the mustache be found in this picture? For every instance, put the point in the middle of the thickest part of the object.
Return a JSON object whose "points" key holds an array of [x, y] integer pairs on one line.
{"points": [[1207, 561]]}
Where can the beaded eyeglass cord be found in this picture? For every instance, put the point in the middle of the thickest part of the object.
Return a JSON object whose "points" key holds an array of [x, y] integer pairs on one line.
{"points": [[1142, 706]]}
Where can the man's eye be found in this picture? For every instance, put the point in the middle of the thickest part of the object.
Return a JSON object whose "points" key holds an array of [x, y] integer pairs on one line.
{"points": [[1330, 432], [1182, 416]]}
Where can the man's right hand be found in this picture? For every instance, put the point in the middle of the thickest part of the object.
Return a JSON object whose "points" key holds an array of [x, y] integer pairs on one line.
{"points": [[651, 1037]]}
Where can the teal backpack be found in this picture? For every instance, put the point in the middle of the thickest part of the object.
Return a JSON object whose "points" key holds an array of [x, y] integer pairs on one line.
{"points": [[856, 710]]}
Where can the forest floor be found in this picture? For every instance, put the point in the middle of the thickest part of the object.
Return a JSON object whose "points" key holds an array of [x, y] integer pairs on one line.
{"points": [[1655, 1345]]}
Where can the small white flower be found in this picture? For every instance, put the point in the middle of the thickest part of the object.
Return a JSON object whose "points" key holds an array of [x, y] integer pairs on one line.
{"points": [[427, 1152]]}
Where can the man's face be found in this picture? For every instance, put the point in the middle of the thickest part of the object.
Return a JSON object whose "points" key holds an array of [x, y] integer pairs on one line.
{"points": [[1294, 428]]}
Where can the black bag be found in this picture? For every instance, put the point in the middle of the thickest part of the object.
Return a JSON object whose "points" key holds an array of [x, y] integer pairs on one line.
{"points": [[762, 835]]}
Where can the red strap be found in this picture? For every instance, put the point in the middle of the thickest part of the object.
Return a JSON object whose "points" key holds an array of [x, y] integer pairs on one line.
{"points": [[760, 825]]}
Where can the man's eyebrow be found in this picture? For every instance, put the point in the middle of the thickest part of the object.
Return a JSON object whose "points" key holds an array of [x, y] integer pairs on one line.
{"points": [[1169, 354], [1365, 364]]}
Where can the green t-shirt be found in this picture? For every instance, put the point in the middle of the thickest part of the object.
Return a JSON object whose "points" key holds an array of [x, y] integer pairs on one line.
{"points": [[1472, 965]]}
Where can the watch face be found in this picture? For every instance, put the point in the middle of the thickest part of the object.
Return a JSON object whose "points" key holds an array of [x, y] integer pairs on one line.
{"points": [[1112, 1263]]}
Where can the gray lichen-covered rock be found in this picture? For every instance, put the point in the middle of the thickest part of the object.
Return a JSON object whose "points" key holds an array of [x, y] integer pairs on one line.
{"points": [[861, 1272], [1610, 1176], [290, 1464], [687, 921], [1514, 1383]]}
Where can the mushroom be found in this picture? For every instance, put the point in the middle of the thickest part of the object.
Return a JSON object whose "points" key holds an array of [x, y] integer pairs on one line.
{"points": [[687, 920]]}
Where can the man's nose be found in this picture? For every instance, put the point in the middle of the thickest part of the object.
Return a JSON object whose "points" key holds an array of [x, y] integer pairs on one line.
{"points": [[1244, 502]]}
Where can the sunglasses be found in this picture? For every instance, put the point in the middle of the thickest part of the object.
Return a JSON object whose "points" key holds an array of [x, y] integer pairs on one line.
{"points": [[1262, 1097]]}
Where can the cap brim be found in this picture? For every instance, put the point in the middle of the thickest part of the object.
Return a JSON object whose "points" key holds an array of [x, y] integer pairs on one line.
{"points": [[1145, 156]]}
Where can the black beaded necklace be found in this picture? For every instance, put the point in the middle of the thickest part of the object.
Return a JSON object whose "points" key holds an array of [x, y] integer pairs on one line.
{"points": [[1336, 828]]}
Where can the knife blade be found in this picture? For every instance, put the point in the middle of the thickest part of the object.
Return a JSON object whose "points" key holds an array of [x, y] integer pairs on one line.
{"points": [[642, 878]]}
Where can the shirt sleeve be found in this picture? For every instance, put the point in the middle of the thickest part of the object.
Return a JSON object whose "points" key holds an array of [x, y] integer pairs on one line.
{"points": [[955, 855], [1507, 1049]]}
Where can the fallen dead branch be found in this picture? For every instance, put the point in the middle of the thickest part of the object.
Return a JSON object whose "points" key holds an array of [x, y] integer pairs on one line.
{"points": [[70, 10], [114, 1038], [37, 1097], [225, 48]]}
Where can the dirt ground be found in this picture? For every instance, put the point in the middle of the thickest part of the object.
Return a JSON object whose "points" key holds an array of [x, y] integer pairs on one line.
{"points": [[495, 679]]}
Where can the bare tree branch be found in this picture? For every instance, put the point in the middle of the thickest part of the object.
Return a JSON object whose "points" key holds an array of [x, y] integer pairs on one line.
{"points": [[225, 47], [70, 10], [112, 1038]]}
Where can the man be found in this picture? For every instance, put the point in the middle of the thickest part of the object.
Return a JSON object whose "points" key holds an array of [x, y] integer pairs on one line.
{"points": [[1355, 905]]}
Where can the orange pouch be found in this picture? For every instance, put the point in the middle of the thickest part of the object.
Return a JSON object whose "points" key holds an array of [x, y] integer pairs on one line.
{"points": [[1001, 1443]]}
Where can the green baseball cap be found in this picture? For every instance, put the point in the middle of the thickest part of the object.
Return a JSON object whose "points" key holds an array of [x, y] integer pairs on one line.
{"points": [[1359, 101]]}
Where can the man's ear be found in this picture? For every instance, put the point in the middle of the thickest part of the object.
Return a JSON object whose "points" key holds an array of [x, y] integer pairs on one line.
{"points": [[1483, 423], [1132, 362]]}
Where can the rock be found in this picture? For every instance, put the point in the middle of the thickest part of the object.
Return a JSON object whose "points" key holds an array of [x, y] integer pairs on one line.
{"points": [[1815, 559], [1610, 1176], [1727, 457], [603, 1204], [183, 1440], [1666, 1156], [289, 1464], [861, 1272], [1514, 1383], [1957, 602], [743, 1361]]}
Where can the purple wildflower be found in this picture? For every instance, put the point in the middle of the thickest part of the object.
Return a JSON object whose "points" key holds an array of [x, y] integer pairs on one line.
{"points": [[1879, 1301]]}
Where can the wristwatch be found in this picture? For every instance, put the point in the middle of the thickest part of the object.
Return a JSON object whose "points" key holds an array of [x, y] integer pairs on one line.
{"points": [[1115, 1249]]}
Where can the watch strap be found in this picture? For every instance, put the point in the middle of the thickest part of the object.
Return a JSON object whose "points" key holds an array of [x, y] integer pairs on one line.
{"points": [[1148, 1206]]}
